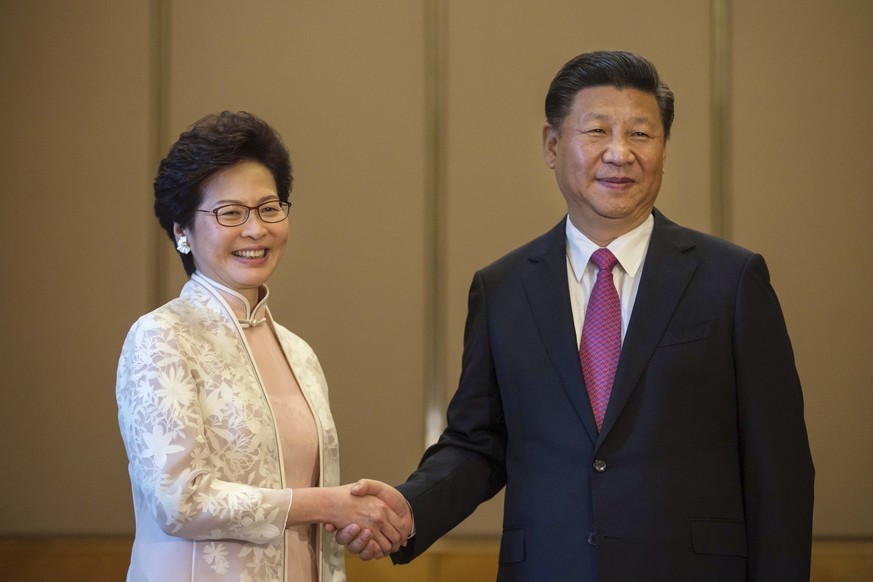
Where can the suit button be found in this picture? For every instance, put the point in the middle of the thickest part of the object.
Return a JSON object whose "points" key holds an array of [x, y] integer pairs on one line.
{"points": [[599, 465], [592, 539]]}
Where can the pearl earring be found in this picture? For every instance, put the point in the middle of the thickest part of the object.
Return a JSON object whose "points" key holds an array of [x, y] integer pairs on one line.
{"points": [[182, 245]]}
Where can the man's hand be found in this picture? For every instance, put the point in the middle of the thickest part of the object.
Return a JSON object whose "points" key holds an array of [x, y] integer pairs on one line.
{"points": [[360, 540]]}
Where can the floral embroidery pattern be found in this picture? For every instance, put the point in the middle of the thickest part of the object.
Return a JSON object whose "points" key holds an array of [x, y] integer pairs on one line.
{"points": [[216, 556]]}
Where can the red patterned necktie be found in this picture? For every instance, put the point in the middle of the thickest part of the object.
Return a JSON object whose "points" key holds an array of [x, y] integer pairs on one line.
{"points": [[601, 335]]}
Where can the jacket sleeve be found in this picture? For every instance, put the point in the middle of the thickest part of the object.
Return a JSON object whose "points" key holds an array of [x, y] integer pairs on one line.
{"points": [[777, 465], [467, 465], [172, 459]]}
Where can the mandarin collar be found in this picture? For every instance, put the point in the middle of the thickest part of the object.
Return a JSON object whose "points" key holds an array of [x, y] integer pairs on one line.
{"points": [[249, 316]]}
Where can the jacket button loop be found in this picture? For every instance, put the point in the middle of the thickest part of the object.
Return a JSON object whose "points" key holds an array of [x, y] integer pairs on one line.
{"points": [[599, 465], [592, 539]]}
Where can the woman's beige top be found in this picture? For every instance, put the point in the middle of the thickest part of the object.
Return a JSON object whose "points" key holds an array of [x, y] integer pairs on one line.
{"points": [[298, 439]]}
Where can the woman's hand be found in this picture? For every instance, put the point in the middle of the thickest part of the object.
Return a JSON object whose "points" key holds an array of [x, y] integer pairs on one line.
{"points": [[371, 513], [359, 540], [385, 526]]}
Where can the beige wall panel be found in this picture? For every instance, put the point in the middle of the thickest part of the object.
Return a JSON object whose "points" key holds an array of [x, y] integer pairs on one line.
{"points": [[343, 82], [802, 196], [75, 154], [501, 57]]}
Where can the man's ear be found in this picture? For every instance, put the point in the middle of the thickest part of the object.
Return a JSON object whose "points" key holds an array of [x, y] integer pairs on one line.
{"points": [[550, 145]]}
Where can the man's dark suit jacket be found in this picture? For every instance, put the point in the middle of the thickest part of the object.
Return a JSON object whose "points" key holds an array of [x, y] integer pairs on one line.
{"points": [[702, 471]]}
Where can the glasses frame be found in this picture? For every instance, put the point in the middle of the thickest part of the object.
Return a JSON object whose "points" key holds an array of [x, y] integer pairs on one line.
{"points": [[285, 206]]}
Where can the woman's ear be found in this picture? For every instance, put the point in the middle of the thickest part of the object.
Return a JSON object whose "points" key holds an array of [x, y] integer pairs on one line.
{"points": [[181, 240]]}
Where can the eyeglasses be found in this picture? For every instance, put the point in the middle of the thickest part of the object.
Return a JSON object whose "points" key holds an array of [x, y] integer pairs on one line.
{"points": [[238, 214]]}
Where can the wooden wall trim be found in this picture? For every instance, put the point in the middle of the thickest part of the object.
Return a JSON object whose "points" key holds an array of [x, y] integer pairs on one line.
{"points": [[68, 558], [842, 561], [99, 558]]}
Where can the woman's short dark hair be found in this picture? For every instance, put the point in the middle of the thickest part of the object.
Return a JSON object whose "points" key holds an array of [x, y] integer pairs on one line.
{"points": [[619, 69], [212, 144]]}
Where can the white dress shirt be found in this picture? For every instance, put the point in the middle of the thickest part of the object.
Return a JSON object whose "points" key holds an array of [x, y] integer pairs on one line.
{"points": [[630, 250]]}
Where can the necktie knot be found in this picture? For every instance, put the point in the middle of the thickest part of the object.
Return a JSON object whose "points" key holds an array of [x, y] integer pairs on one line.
{"points": [[604, 259]]}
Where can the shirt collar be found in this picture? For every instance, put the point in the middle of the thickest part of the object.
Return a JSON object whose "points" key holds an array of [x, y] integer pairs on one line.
{"points": [[630, 248]]}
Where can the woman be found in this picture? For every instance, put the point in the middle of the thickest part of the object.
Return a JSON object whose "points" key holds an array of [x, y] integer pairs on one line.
{"points": [[232, 450]]}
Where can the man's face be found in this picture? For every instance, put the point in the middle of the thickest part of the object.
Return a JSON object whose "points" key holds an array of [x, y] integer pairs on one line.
{"points": [[608, 157]]}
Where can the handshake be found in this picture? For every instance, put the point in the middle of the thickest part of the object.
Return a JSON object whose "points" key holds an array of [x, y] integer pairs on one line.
{"points": [[372, 519]]}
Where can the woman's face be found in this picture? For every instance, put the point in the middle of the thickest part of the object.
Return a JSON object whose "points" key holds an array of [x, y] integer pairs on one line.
{"points": [[239, 257]]}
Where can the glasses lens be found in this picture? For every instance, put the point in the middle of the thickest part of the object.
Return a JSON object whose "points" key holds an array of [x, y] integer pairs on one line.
{"points": [[273, 211], [232, 214]]}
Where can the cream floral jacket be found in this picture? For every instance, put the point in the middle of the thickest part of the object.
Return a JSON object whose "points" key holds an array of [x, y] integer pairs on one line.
{"points": [[204, 460]]}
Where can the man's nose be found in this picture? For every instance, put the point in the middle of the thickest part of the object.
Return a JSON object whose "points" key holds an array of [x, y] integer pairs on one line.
{"points": [[618, 152]]}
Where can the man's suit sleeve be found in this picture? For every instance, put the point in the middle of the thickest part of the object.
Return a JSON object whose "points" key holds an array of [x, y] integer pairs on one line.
{"points": [[777, 466], [467, 465]]}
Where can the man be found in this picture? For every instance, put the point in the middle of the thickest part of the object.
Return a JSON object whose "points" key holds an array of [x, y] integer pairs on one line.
{"points": [[641, 406]]}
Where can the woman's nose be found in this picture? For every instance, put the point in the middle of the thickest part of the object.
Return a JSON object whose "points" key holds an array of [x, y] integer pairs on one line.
{"points": [[254, 226]]}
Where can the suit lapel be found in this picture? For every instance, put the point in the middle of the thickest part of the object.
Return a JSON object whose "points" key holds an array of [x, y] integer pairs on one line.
{"points": [[548, 294], [666, 273]]}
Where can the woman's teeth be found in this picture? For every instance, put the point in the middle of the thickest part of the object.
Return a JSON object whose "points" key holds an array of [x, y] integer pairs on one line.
{"points": [[250, 254]]}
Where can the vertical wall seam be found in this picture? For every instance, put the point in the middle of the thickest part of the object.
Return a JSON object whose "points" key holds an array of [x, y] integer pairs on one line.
{"points": [[435, 236], [152, 118], [721, 215], [159, 63]]}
